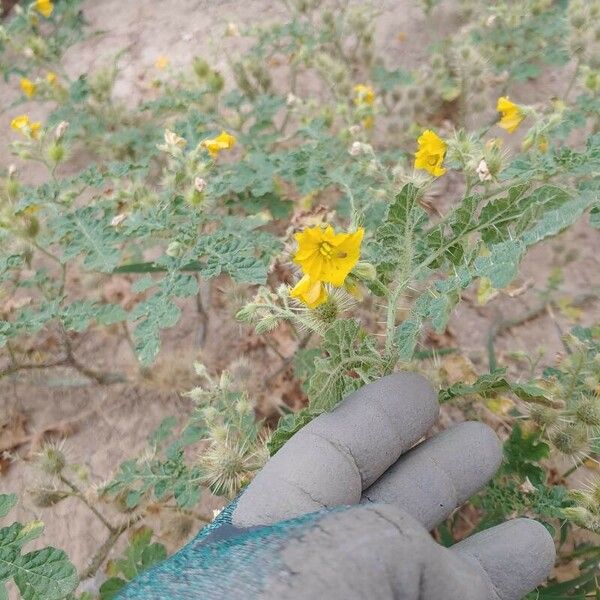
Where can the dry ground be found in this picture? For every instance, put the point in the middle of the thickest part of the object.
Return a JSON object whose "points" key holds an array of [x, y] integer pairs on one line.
{"points": [[111, 423]]}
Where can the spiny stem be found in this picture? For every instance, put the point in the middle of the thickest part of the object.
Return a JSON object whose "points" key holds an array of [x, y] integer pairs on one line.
{"points": [[103, 551], [82, 497]]}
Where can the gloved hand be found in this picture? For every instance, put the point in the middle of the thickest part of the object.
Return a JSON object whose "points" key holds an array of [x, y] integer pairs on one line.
{"points": [[343, 511]]}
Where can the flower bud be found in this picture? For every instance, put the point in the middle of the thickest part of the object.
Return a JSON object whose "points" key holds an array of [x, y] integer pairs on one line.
{"points": [[246, 313], [232, 30], [60, 130], [172, 139], [355, 149], [175, 250], [483, 171], [118, 219], [365, 271], [199, 184], [266, 324]]}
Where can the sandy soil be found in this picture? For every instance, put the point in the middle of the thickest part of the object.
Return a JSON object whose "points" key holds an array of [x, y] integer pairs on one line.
{"points": [[111, 423]]}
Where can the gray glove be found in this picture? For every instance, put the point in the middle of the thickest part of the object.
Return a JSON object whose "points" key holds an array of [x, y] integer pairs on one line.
{"points": [[343, 511]]}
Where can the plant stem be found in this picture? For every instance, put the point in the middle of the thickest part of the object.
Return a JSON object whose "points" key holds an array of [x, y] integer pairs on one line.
{"points": [[572, 79], [572, 469], [103, 551], [82, 497]]}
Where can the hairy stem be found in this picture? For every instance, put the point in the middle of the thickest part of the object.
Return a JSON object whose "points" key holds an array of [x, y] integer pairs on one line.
{"points": [[79, 494]]}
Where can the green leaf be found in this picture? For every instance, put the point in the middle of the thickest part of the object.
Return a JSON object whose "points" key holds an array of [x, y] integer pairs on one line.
{"points": [[394, 239], [501, 265], [86, 231], [595, 217], [352, 360], [523, 452], [45, 574], [406, 336], [288, 426], [7, 501], [496, 383], [111, 587]]}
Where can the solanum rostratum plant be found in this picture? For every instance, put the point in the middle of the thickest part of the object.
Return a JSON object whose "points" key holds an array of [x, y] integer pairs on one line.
{"points": [[351, 215]]}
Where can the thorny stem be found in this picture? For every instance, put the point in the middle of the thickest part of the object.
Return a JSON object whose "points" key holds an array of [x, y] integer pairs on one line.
{"points": [[286, 361], [79, 494], [572, 470], [103, 551]]}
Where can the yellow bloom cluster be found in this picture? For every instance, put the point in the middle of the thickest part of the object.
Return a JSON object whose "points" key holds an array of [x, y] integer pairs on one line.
{"points": [[511, 114], [28, 87], [44, 7], [324, 257], [431, 153], [28, 128], [224, 141], [364, 95], [51, 77]]}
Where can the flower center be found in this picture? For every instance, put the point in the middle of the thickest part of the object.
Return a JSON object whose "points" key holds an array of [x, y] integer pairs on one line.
{"points": [[326, 249], [432, 159]]}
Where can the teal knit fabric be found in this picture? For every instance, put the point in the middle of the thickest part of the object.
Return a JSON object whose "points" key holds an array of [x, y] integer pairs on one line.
{"points": [[220, 563]]}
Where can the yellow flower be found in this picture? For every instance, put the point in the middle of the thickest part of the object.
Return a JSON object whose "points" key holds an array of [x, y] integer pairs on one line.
{"points": [[23, 125], [19, 122], [311, 293], [327, 256], [430, 154], [512, 115], [51, 77], [224, 141], [28, 87], [34, 129], [363, 94], [368, 122], [161, 63], [44, 7]]}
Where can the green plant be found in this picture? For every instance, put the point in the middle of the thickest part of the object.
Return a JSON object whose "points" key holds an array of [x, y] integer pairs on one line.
{"points": [[350, 217], [45, 573]]}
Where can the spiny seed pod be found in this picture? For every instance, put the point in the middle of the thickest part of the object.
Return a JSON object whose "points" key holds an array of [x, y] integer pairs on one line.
{"points": [[588, 412], [51, 459], [180, 526], [582, 517], [466, 53], [201, 67], [570, 439], [44, 498], [32, 227], [56, 152], [437, 62], [543, 416], [216, 82]]}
